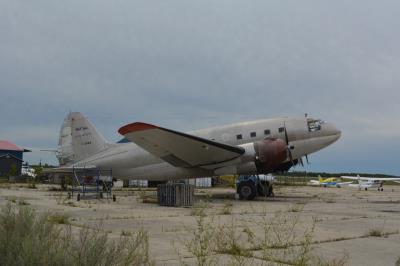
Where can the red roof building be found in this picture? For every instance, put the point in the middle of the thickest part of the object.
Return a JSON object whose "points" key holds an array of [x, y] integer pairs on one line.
{"points": [[9, 146]]}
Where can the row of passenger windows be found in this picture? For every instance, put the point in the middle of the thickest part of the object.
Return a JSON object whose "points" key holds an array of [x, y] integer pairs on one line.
{"points": [[254, 134]]}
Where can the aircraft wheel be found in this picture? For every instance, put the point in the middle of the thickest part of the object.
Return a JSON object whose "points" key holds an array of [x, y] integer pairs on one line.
{"points": [[247, 190], [366, 189], [78, 197], [263, 188], [271, 191]]}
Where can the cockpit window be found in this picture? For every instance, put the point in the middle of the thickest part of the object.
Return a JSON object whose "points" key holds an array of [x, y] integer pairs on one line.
{"points": [[314, 124]]}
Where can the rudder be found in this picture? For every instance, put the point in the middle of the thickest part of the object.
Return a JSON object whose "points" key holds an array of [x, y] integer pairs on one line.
{"points": [[78, 139]]}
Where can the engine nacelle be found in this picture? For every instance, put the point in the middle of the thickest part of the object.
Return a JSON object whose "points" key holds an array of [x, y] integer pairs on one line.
{"points": [[264, 156]]}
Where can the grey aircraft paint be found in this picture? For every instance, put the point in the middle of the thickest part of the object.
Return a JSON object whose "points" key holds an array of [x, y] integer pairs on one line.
{"points": [[80, 145]]}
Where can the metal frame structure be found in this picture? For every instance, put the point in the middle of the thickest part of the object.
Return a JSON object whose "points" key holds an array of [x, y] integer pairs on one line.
{"points": [[92, 182]]}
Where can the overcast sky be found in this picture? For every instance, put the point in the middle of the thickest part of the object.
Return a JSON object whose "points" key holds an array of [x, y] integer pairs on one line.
{"points": [[193, 64]]}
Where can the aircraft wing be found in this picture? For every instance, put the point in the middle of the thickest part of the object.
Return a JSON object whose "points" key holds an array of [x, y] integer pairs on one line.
{"points": [[177, 148], [357, 178], [314, 183], [345, 183], [67, 170]]}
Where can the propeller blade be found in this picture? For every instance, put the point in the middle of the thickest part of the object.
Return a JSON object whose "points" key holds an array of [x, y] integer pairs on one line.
{"points": [[307, 159], [301, 162], [287, 144], [286, 135]]}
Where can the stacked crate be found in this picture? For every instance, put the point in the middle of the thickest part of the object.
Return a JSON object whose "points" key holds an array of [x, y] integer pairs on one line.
{"points": [[175, 195]]}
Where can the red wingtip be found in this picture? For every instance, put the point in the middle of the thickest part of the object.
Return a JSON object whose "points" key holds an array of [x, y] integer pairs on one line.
{"points": [[137, 126]]}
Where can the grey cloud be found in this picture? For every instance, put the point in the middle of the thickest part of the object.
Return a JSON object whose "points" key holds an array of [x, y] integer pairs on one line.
{"points": [[192, 64]]}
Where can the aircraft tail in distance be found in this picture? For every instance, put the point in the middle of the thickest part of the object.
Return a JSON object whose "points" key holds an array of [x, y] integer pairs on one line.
{"points": [[78, 139]]}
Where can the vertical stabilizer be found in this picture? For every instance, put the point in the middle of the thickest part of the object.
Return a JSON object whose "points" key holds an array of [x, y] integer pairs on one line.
{"points": [[78, 139]]}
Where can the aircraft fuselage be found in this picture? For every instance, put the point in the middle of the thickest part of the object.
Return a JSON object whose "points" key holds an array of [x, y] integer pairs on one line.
{"points": [[305, 136]]}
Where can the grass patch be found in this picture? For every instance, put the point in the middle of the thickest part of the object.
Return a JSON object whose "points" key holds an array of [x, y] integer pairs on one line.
{"points": [[58, 219], [28, 238], [376, 232], [226, 209], [199, 209], [126, 233], [23, 203], [279, 240], [296, 208], [32, 185]]}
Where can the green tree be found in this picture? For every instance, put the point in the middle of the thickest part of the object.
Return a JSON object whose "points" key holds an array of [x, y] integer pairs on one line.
{"points": [[13, 170], [38, 170]]}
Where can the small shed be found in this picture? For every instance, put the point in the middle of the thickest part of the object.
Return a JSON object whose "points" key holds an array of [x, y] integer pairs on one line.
{"points": [[11, 157]]}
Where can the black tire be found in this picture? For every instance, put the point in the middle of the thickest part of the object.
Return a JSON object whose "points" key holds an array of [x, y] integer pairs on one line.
{"points": [[262, 189], [271, 191], [78, 197], [366, 189], [247, 190], [114, 198]]}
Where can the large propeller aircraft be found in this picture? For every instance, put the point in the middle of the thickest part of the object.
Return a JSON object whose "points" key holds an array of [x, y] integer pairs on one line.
{"points": [[156, 153]]}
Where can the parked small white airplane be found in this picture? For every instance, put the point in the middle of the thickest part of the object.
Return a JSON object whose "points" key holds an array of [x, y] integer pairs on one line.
{"points": [[370, 182]]}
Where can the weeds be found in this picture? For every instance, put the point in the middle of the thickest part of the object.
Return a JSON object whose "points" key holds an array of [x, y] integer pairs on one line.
{"points": [[227, 209], [377, 231], [279, 239], [32, 185], [28, 238], [23, 202], [335, 262], [199, 209], [229, 241], [58, 219], [296, 208], [126, 233], [202, 243]]}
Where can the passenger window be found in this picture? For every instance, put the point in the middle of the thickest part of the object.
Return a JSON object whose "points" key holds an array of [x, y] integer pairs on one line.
{"points": [[281, 129], [267, 132], [253, 134], [239, 136]]}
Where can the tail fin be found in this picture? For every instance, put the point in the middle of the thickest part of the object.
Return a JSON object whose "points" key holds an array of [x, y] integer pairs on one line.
{"points": [[78, 139], [320, 179]]}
